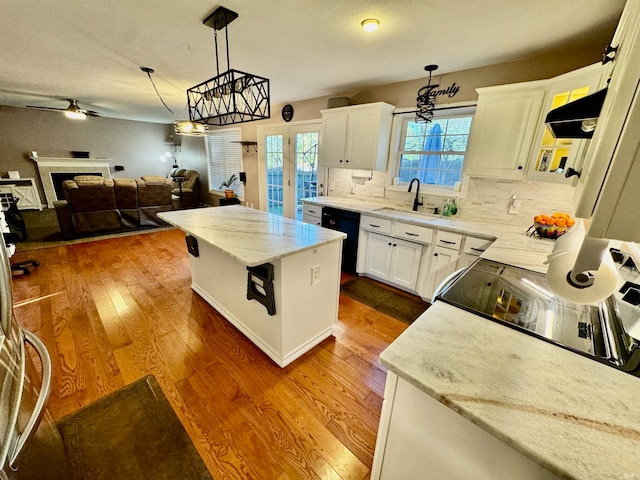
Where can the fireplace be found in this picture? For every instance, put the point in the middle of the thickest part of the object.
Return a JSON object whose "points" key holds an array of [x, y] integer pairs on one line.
{"points": [[53, 171], [57, 178]]}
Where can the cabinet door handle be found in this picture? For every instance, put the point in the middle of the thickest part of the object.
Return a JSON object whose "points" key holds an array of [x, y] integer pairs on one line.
{"points": [[394, 244], [477, 249], [435, 254], [519, 167], [448, 242], [389, 244], [346, 161], [412, 234], [374, 226], [340, 161]]}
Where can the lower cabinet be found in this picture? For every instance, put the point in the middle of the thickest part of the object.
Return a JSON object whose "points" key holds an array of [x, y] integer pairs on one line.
{"points": [[443, 262], [418, 434], [312, 214], [392, 259]]}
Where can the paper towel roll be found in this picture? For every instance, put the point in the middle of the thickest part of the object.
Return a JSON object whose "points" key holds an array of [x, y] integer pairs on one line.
{"points": [[605, 282]]}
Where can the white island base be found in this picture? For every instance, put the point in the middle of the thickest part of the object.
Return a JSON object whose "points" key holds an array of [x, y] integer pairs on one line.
{"points": [[305, 312]]}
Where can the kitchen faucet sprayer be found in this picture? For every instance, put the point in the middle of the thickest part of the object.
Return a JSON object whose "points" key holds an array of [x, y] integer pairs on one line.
{"points": [[416, 202]]}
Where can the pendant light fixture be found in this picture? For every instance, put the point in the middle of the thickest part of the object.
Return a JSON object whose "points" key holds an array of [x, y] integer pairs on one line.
{"points": [[233, 96], [426, 101]]}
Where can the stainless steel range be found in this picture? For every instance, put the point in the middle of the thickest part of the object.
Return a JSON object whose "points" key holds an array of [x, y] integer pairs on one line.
{"points": [[521, 299]]}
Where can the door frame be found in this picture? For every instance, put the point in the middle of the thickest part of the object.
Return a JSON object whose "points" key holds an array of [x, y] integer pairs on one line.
{"points": [[279, 128]]}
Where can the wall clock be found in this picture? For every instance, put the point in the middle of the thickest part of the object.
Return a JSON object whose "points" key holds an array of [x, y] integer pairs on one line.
{"points": [[287, 113]]}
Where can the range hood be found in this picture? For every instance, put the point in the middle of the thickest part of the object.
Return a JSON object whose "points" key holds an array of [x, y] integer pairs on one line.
{"points": [[577, 119]]}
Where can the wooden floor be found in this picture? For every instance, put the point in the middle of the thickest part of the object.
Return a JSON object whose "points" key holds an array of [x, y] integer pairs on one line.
{"points": [[112, 311]]}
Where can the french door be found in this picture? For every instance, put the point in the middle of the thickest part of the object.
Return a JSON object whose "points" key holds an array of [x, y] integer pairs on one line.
{"points": [[288, 156]]}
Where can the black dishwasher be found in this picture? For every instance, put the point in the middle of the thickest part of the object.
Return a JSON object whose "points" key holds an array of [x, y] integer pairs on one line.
{"points": [[347, 222]]}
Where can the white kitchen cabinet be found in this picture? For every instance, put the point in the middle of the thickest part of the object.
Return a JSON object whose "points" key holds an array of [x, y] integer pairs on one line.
{"points": [[394, 260], [418, 434], [472, 248], [550, 157], [444, 260], [311, 214], [357, 136], [503, 128]]}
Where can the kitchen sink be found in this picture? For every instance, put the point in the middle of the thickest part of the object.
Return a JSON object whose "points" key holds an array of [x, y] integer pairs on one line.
{"points": [[397, 212]]}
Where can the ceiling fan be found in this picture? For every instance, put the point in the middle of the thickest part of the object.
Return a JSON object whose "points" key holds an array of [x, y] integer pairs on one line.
{"points": [[73, 111]]}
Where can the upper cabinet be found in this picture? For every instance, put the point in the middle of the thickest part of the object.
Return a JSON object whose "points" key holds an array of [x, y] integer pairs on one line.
{"points": [[357, 136], [509, 138], [503, 128], [551, 157]]}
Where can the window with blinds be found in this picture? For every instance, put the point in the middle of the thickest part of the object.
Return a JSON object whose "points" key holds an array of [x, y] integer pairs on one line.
{"points": [[224, 159]]}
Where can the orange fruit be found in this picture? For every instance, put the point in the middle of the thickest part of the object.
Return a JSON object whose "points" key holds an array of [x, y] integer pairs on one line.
{"points": [[571, 222], [561, 222], [551, 221]]}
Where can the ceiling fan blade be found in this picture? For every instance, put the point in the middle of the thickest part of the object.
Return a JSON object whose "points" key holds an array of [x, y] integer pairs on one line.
{"points": [[91, 113], [50, 109]]}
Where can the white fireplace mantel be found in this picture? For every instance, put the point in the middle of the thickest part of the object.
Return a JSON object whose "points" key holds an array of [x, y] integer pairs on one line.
{"points": [[49, 165]]}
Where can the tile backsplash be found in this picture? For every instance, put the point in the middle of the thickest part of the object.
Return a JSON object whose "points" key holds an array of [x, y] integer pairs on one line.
{"points": [[487, 199]]}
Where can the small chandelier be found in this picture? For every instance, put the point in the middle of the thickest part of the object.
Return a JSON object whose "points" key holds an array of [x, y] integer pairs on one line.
{"points": [[426, 101], [193, 129], [233, 96]]}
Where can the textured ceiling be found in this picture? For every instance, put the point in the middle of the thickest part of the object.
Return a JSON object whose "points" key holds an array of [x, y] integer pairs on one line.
{"points": [[92, 50]]}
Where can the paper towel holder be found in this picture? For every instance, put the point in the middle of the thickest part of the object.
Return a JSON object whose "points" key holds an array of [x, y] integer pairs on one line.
{"points": [[589, 258]]}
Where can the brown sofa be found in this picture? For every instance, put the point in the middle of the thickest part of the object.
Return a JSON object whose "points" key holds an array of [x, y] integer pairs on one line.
{"points": [[95, 205]]}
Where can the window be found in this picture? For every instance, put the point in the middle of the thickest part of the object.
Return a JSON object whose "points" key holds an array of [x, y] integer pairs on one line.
{"points": [[433, 152], [224, 158]]}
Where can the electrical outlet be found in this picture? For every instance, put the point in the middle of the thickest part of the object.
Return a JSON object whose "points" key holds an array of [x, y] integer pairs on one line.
{"points": [[315, 274], [353, 188], [514, 205], [378, 192]]}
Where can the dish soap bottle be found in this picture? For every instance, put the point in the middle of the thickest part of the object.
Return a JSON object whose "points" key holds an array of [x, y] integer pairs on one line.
{"points": [[453, 209], [446, 209]]}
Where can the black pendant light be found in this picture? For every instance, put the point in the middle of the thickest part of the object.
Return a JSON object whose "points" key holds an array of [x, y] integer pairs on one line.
{"points": [[233, 96], [426, 101]]}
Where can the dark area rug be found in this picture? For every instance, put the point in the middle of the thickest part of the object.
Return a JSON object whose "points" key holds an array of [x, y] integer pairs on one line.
{"points": [[400, 305], [43, 231], [130, 434]]}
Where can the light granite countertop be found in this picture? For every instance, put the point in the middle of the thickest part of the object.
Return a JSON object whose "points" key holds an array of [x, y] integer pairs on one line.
{"points": [[574, 416], [250, 236]]}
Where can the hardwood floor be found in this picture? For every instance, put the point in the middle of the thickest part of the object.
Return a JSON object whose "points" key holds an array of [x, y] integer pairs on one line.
{"points": [[112, 311]]}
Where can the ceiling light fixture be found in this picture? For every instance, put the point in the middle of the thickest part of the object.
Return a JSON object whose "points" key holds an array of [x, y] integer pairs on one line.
{"points": [[426, 101], [187, 127], [74, 112], [370, 24], [233, 96]]}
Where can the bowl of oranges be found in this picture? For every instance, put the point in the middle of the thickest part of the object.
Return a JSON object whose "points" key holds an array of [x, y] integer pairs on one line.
{"points": [[552, 226]]}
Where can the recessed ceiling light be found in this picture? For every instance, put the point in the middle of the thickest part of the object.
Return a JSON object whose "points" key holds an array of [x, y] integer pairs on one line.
{"points": [[370, 24]]}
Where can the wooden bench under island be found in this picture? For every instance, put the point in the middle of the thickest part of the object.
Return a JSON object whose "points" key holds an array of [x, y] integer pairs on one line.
{"points": [[275, 279]]}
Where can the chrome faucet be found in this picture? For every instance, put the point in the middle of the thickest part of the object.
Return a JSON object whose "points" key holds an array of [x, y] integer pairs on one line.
{"points": [[416, 202]]}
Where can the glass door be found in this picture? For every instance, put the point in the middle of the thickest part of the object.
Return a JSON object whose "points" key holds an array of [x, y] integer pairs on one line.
{"points": [[290, 158]]}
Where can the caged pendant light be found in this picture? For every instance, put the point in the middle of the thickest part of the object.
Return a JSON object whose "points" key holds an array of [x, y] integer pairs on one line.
{"points": [[233, 96], [426, 101]]}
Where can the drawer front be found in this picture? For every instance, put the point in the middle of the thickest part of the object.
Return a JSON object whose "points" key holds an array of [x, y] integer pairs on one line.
{"points": [[415, 233], [449, 240], [475, 246], [374, 224], [312, 219], [312, 210]]}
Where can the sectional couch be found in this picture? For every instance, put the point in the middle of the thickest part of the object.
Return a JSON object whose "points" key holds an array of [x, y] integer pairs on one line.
{"points": [[96, 205]]}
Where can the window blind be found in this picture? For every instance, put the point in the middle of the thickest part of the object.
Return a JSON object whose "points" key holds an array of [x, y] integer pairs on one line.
{"points": [[224, 159]]}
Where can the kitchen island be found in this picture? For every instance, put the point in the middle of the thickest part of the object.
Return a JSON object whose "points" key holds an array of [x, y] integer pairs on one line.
{"points": [[235, 250]]}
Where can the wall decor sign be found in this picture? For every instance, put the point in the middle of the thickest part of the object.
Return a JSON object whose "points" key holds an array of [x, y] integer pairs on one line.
{"points": [[450, 91]]}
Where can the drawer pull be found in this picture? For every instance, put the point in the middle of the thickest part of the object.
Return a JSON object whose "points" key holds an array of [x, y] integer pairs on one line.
{"points": [[412, 234], [477, 249], [374, 226], [448, 242]]}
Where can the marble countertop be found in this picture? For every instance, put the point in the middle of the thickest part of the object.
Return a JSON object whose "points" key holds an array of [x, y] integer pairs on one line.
{"points": [[250, 236], [511, 244], [576, 417]]}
